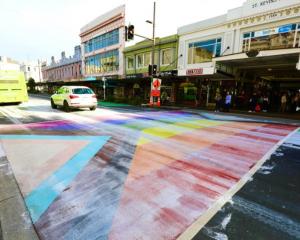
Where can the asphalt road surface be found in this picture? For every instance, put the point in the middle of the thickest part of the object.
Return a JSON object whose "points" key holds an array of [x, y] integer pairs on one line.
{"points": [[135, 173]]}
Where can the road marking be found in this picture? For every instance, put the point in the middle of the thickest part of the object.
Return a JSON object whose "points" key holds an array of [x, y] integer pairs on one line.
{"points": [[42, 197], [7, 113], [192, 230]]}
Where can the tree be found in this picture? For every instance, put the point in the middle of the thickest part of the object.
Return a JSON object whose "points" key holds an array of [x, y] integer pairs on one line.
{"points": [[31, 85]]}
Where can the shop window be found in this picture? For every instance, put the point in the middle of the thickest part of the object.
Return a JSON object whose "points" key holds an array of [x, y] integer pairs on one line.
{"points": [[204, 51], [167, 56]]}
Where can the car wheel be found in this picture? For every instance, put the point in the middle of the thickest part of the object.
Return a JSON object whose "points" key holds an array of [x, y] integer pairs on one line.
{"points": [[66, 106], [93, 108], [53, 104]]}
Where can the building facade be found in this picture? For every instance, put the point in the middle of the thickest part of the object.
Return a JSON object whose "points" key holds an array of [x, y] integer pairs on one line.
{"points": [[102, 42], [64, 70], [138, 58], [252, 49], [32, 69], [9, 64]]}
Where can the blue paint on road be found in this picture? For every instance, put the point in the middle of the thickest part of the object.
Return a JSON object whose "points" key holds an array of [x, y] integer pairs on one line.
{"points": [[41, 198]]}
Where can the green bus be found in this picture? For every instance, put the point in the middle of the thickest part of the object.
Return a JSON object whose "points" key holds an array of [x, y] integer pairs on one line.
{"points": [[13, 87]]}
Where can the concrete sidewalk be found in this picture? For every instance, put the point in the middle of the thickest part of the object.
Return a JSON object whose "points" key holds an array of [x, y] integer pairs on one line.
{"points": [[15, 223]]}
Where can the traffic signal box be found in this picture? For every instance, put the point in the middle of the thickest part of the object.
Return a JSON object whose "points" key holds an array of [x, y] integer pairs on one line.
{"points": [[152, 70], [129, 33]]}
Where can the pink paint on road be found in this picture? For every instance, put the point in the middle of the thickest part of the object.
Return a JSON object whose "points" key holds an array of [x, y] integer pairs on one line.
{"points": [[163, 202]]}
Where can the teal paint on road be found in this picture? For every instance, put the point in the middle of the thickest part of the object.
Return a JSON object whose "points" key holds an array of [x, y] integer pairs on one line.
{"points": [[41, 198]]}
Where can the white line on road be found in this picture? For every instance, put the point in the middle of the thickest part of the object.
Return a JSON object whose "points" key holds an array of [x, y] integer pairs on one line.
{"points": [[192, 230], [8, 115]]}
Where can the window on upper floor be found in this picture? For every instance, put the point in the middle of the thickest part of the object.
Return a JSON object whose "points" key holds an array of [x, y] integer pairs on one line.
{"points": [[103, 62], [286, 36], [140, 60], [102, 41], [167, 56], [204, 51], [147, 59], [130, 63], [143, 60]]}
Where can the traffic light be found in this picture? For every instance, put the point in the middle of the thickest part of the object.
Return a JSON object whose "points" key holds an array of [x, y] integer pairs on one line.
{"points": [[130, 32], [126, 33], [152, 70]]}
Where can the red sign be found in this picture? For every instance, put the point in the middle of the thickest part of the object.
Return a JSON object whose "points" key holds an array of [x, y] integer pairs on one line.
{"points": [[156, 84], [155, 92], [194, 72]]}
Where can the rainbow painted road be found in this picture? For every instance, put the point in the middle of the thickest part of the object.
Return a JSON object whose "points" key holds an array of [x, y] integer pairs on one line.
{"points": [[130, 175]]}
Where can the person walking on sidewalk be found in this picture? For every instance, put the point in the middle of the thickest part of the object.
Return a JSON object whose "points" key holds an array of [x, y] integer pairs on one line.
{"points": [[252, 102], [228, 102], [283, 103], [218, 99]]}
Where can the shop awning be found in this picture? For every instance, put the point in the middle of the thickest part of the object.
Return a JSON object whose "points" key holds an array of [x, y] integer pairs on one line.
{"points": [[275, 65]]}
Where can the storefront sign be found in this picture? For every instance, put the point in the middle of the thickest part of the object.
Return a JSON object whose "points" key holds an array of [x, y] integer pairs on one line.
{"points": [[140, 75], [168, 73], [194, 72], [90, 79]]}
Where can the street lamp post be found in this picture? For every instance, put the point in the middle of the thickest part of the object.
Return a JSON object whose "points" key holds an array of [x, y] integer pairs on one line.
{"points": [[153, 47], [153, 37], [104, 87]]}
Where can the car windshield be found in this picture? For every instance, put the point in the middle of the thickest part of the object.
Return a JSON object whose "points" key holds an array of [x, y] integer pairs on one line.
{"points": [[82, 91]]}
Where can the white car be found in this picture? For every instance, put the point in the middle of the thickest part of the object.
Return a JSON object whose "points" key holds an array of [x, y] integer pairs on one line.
{"points": [[74, 97]]}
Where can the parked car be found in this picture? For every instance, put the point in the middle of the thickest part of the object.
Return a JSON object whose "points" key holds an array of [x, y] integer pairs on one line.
{"points": [[70, 97]]}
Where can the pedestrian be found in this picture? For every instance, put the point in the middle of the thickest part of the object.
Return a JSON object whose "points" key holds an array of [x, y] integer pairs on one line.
{"points": [[265, 104], [164, 97], [252, 102], [294, 102], [218, 99], [283, 102], [228, 101], [297, 101]]}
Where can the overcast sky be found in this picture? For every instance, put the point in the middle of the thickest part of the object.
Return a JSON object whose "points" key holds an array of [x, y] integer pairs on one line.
{"points": [[36, 29]]}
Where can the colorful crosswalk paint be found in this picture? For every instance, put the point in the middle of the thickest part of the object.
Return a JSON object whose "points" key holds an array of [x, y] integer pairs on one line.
{"points": [[144, 175]]}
